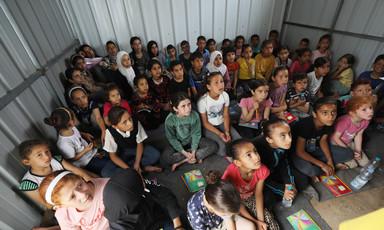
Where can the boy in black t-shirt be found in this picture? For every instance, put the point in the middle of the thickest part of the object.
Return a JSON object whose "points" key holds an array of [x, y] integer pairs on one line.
{"points": [[314, 156], [179, 82]]}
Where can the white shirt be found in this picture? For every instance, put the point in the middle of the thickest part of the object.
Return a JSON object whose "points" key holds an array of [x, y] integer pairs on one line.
{"points": [[213, 108], [313, 83]]}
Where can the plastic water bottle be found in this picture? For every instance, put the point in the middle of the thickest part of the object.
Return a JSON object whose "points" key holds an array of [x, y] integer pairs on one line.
{"points": [[362, 179], [287, 203], [372, 164]]}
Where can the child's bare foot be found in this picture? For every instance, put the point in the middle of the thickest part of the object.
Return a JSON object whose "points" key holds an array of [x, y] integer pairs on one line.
{"points": [[315, 179], [341, 166], [200, 161], [177, 164], [150, 168]]}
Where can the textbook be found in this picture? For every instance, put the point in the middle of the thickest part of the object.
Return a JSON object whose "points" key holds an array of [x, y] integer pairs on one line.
{"points": [[302, 221], [334, 184], [289, 116], [252, 125], [194, 180]]}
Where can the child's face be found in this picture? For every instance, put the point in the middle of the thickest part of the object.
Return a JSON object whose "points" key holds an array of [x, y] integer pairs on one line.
{"points": [[218, 61], [248, 156], [281, 78], [260, 94], [201, 44], [142, 86], [225, 44], [283, 54], [126, 61], [125, 124], [77, 78], [136, 45], [184, 108], [76, 194], [216, 85], [155, 71], [342, 62], [211, 46], [362, 90], [171, 52], [89, 52], [230, 57], [185, 48], [80, 65], [324, 69], [303, 45], [267, 50], [111, 49], [154, 49], [378, 67], [239, 43], [247, 52], [39, 158], [324, 44], [273, 36], [178, 71], [80, 98], [326, 114], [365, 112], [115, 97], [198, 63], [300, 85], [281, 136], [255, 41], [305, 57]]}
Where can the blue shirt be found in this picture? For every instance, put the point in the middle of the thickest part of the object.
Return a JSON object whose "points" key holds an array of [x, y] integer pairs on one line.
{"points": [[205, 56]]}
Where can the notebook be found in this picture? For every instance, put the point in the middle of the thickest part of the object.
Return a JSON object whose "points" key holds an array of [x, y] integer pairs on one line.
{"points": [[289, 116], [194, 180], [334, 184], [302, 221], [252, 125]]}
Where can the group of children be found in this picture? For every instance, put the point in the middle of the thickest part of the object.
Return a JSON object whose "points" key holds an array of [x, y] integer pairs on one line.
{"points": [[292, 98]]}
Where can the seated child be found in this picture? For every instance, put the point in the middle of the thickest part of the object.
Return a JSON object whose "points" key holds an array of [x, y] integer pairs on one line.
{"points": [[255, 107], [179, 82], [127, 73], [172, 55], [201, 43], [124, 142], [71, 143], [248, 174], [273, 35], [74, 78], [322, 49], [185, 57], [218, 206], [265, 60], [197, 73], [232, 66], [216, 65], [278, 89], [375, 75], [210, 47], [101, 204], [342, 76], [138, 56], [255, 44], [360, 87], [154, 53], [239, 42], [109, 61], [213, 106], [225, 43], [301, 65], [159, 83], [183, 130], [282, 57], [92, 61], [304, 43], [247, 68], [314, 156], [349, 128], [321, 68], [297, 97], [112, 98]]}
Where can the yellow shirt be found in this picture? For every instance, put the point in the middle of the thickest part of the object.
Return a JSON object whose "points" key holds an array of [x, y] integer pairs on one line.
{"points": [[244, 71], [346, 77], [264, 66]]}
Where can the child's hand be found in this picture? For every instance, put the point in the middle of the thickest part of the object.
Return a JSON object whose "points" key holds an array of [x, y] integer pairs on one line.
{"points": [[99, 155], [357, 155], [302, 102], [222, 136], [282, 116], [327, 53], [87, 136], [89, 147], [261, 225], [328, 169], [255, 105], [290, 194], [137, 168], [227, 136]]}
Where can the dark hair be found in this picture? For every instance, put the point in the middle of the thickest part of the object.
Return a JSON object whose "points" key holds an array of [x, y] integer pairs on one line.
{"points": [[169, 47], [115, 114], [282, 47], [212, 176], [269, 125], [201, 37], [246, 46], [184, 42], [75, 89], [253, 86], [176, 98], [301, 53], [134, 39], [74, 59], [69, 72], [265, 43], [326, 89], [138, 78], [175, 63], [320, 61], [82, 47], [323, 101], [238, 38], [274, 32], [299, 76], [277, 69], [227, 50], [25, 147], [108, 89], [209, 41], [110, 42], [305, 40], [255, 36], [151, 63], [60, 118], [360, 81], [196, 55], [235, 147], [207, 81], [378, 58], [325, 36], [149, 50], [350, 59], [226, 40]]}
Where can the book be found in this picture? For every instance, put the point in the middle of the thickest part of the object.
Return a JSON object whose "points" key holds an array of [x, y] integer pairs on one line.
{"points": [[302, 221], [336, 185], [252, 125], [289, 116], [229, 159], [194, 180]]}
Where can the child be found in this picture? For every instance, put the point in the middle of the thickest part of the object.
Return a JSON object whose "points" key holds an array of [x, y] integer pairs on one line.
{"points": [[322, 48], [218, 206], [201, 43], [179, 82], [301, 65], [159, 83], [304, 44], [360, 87], [154, 53], [349, 128], [248, 174], [87, 112], [278, 89], [239, 42], [112, 97], [124, 142], [225, 43], [92, 61], [197, 73], [232, 66], [213, 106], [216, 65], [37, 155], [282, 57], [146, 106], [314, 156], [273, 35], [255, 44], [247, 68], [126, 69], [71, 143], [183, 130], [172, 55], [273, 148], [255, 106], [109, 61], [265, 60], [185, 57], [74, 77], [298, 97], [139, 56], [321, 68], [342, 76], [210, 47], [101, 204], [375, 75]]}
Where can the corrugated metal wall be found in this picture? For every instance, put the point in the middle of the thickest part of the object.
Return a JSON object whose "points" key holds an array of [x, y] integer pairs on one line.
{"points": [[171, 21], [364, 18]]}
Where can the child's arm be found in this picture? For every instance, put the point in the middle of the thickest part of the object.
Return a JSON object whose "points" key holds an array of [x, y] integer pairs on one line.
{"points": [[227, 80], [86, 136], [194, 91], [327, 152], [248, 115], [267, 112], [335, 75], [235, 79], [227, 124], [82, 153], [106, 121], [337, 139], [139, 154], [245, 214], [210, 127], [189, 91], [293, 104], [79, 171], [283, 107], [117, 160], [358, 143], [100, 122], [304, 108], [260, 200]]}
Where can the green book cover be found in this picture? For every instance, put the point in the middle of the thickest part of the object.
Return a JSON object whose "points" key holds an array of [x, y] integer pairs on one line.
{"points": [[302, 221], [194, 180]]}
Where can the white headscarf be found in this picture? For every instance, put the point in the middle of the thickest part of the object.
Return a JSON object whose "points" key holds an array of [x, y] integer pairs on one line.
{"points": [[128, 73], [212, 68]]}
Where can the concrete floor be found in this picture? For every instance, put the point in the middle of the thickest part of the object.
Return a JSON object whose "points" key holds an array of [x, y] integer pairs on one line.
{"points": [[373, 146]]}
